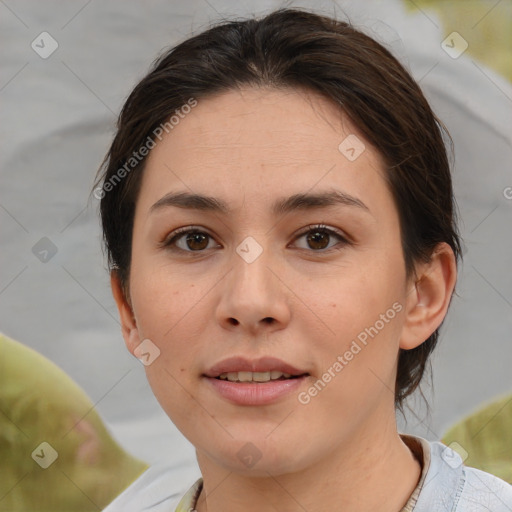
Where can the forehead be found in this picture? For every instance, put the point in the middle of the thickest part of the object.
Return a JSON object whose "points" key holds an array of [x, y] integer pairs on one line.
{"points": [[263, 142]]}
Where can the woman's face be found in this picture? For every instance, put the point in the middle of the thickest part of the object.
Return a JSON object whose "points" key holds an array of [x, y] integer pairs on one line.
{"points": [[258, 281]]}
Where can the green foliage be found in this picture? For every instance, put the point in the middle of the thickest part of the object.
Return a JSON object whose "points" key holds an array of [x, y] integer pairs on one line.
{"points": [[485, 25], [486, 436], [40, 403]]}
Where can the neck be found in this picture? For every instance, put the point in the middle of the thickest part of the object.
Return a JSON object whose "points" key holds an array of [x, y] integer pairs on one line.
{"points": [[374, 471]]}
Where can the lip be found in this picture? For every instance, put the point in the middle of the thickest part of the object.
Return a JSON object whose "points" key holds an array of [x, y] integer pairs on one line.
{"points": [[249, 393], [263, 364], [261, 393]]}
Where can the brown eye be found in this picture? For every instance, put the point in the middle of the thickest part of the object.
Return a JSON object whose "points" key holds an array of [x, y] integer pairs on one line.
{"points": [[319, 237], [188, 240], [196, 241]]}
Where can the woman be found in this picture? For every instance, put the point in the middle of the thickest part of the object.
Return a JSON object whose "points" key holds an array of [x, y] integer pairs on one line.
{"points": [[279, 218]]}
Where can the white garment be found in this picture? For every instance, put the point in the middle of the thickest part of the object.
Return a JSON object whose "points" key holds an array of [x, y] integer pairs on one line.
{"points": [[446, 485]]}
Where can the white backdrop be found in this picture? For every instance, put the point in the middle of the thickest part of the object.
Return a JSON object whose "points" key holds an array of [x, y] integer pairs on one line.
{"points": [[58, 116]]}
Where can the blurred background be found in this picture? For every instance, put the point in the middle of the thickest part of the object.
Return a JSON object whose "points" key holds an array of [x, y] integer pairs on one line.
{"points": [[66, 69]]}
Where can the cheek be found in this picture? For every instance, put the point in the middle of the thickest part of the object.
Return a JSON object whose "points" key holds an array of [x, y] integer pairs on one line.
{"points": [[168, 312], [357, 298], [163, 300], [363, 310], [170, 316]]}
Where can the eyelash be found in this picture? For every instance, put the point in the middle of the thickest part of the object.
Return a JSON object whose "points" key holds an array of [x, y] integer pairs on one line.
{"points": [[170, 241]]}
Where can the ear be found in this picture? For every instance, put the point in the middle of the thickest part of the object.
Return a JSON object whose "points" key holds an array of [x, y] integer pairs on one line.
{"points": [[429, 296], [128, 323]]}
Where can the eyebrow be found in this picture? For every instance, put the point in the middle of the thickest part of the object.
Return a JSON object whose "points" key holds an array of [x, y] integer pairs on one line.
{"points": [[303, 201]]}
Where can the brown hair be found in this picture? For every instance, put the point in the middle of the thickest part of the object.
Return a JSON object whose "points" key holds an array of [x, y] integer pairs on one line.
{"points": [[298, 49]]}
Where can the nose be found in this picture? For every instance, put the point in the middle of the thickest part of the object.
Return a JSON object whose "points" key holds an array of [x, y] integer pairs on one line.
{"points": [[254, 298]]}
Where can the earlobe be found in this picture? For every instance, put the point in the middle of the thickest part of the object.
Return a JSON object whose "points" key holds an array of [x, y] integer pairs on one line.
{"points": [[128, 322], [429, 297]]}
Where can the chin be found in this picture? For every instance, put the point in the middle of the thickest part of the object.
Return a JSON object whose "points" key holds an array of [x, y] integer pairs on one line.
{"points": [[260, 458]]}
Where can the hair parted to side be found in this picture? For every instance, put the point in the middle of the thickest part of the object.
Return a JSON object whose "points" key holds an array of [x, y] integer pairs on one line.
{"points": [[293, 48]]}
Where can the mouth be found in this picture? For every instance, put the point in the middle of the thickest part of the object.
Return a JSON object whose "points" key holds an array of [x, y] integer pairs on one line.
{"points": [[258, 377], [264, 369], [255, 382]]}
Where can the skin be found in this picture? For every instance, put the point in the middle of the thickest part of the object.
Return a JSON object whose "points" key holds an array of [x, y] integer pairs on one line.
{"points": [[341, 451]]}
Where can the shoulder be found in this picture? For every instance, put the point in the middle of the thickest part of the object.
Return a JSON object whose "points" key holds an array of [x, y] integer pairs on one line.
{"points": [[485, 490], [450, 486], [159, 489]]}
